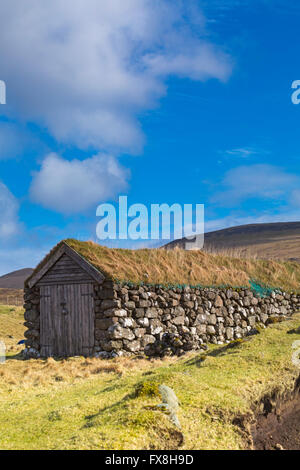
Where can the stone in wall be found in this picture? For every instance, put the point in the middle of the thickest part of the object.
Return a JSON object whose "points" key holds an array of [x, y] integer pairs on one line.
{"points": [[32, 318], [32, 323]]}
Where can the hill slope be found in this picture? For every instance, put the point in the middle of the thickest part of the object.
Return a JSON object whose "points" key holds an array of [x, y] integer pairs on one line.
{"points": [[15, 279], [276, 240], [101, 404]]}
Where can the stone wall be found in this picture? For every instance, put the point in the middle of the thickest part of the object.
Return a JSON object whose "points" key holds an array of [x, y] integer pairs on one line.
{"points": [[160, 321], [32, 321]]}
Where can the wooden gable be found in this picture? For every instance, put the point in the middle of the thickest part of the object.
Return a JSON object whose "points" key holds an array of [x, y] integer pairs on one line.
{"points": [[63, 271], [65, 266]]}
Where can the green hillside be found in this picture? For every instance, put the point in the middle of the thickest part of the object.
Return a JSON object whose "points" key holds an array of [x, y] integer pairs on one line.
{"points": [[111, 404]]}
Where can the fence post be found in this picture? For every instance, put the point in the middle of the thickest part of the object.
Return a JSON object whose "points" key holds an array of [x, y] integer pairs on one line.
{"points": [[2, 352]]}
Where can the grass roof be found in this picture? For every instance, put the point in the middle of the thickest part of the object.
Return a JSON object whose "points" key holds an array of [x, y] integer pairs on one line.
{"points": [[177, 267]]}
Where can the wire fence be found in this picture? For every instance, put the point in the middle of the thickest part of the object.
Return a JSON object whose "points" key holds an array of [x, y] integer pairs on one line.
{"points": [[11, 300]]}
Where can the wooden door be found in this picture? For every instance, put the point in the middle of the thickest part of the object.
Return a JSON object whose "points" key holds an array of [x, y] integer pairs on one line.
{"points": [[67, 320]]}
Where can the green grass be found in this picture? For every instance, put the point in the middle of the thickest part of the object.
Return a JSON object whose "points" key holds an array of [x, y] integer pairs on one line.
{"points": [[95, 404]]}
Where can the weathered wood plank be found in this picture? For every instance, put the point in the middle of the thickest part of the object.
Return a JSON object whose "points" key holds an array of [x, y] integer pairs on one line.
{"points": [[45, 308], [70, 268], [92, 319], [71, 334], [37, 276], [65, 269], [62, 261], [89, 268], [55, 282], [80, 319], [43, 314], [66, 275], [74, 294]]}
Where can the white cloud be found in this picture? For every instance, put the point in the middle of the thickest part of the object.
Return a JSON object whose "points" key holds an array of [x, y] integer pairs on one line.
{"points": [[9, 225], [254, 181], [242, 152], [209, 64], [87, 69], [74, 186]]}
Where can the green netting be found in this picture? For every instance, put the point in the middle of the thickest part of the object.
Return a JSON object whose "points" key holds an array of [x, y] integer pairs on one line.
{"points": [[260, 289]]}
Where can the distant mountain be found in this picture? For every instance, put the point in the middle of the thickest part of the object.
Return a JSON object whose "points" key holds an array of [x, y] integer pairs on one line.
{"points": [[15, 279], [269, 241]]}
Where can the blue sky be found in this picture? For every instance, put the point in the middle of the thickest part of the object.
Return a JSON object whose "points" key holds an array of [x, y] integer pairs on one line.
{"points": [[166, 102]]}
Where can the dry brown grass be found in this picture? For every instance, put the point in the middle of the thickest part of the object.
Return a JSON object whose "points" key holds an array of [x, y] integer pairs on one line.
{"points": [[11, 296], [12, 327], [280, 241], [279, 250], [239, 252], [177, 266], [33, 373]]}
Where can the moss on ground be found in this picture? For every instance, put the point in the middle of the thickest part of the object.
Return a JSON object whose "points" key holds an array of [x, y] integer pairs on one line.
{"points": [[147, 389]]}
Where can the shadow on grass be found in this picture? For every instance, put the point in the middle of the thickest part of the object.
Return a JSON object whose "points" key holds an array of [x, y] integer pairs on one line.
{"points": [[231, 348], [19, 357], [15, 357], [294, 331], [91, 419]]}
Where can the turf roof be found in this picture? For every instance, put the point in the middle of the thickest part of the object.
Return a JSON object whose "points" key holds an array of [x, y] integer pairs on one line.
{"points": [[179, 267]]}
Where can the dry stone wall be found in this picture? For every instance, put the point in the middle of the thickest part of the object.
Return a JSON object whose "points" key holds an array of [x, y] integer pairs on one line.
{"points": [[161, 321], [32, 321]]}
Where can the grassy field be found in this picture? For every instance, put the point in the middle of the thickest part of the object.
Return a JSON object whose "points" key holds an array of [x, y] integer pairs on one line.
{"points": [[93, 404]]}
